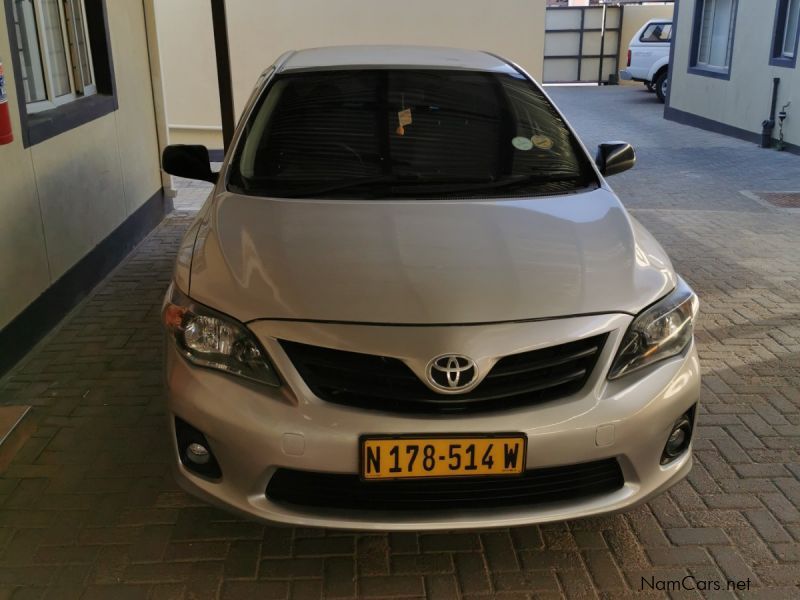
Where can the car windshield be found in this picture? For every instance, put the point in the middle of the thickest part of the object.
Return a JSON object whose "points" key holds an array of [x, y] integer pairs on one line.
{"points": [[392, 133]]}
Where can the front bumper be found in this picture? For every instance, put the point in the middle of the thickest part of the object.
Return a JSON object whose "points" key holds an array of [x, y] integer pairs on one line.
{"points": [[254, 430]]}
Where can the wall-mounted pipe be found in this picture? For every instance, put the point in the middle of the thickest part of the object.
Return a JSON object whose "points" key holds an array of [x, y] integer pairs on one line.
{"points": [[768, 126], [224, 79]]}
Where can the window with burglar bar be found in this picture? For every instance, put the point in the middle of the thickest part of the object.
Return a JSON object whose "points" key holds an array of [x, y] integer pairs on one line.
{"points": [[785, 36], [714, 36], [54, 56]]}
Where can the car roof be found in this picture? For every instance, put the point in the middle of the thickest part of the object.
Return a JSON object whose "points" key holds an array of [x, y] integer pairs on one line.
{"points": [[384, 57]]}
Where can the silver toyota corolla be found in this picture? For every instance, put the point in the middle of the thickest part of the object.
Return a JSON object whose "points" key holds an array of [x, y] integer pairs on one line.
{"points": [[412, 301]]}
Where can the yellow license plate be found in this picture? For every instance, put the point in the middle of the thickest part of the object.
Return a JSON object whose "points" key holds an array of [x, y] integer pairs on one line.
{"points": [[442, 456]]}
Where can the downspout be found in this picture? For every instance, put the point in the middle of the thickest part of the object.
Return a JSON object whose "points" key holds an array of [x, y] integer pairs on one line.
{"points": [[224, 80], [157, 87], [768, 126]]}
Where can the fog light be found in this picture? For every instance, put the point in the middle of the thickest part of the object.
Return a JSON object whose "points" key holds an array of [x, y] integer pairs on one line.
{"points": [[197, 453], [674, 445], [194, 451], [679, 438]]}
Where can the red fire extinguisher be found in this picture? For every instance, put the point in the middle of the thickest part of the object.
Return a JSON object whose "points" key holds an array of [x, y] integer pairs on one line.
{"points": [[6, 135]]}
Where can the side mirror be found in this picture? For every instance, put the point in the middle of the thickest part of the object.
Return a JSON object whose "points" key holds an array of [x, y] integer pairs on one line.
{"points": [[188, 161], [615, 157]]}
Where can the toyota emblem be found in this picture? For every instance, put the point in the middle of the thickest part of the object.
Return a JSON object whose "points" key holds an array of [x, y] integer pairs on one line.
{"points": [[452, 372]]}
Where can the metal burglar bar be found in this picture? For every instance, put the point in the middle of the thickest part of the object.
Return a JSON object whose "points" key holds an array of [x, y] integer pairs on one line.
{"points": [[582, 44]]}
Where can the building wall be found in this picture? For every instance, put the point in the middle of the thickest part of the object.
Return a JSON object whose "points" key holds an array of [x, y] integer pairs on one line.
{"points": [[261, 31], [633, 17], [744, 101], [63, 196]]}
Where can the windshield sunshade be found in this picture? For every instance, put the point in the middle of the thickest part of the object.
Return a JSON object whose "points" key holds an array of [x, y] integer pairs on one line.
{"points": [[406, 133]]}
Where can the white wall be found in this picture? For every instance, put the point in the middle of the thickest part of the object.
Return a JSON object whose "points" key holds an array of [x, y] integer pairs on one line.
{"points": [[259, 32], [744, 101], [61, 197]]}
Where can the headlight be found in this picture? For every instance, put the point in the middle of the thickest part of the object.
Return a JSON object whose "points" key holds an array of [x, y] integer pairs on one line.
{"points": [[661, 331], [211, 339]]}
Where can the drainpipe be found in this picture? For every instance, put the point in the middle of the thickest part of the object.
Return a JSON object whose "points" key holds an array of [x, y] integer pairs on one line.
{"points": [[157, 83], [222, 52], [769, 125]]}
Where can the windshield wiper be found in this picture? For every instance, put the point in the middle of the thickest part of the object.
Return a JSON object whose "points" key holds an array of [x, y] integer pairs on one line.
{"points": [[408, 184], [390, 180], [335, 186], [488, 185]]}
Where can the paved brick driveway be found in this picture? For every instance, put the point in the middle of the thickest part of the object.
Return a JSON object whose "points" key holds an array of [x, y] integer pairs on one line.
{"points": [[87, 507]]}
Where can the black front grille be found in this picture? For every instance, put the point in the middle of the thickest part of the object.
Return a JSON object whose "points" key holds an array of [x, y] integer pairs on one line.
{"points": [[384, 383], [538, 486]]}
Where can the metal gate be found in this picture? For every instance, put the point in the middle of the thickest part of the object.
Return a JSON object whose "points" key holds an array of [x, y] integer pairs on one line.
{"points": [[582, 44]]}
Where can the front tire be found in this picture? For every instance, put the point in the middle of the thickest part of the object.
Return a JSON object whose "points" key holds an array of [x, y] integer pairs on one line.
{"points": [[662, 86]]}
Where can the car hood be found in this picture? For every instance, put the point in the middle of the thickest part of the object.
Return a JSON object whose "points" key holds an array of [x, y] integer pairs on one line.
{"points": [[425, 262]]}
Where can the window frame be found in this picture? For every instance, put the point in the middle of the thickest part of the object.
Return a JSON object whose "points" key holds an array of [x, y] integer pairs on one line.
{"points": [[81, 87], [648, 41], [777, 58], [44, 119], [705, 70], [51, 100]]}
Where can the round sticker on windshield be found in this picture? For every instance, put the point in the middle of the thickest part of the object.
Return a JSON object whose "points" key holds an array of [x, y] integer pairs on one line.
{"points": [[542, 142], [522, 143]]}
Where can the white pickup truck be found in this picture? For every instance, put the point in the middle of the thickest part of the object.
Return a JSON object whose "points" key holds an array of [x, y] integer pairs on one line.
{"points": [[648, 56]]}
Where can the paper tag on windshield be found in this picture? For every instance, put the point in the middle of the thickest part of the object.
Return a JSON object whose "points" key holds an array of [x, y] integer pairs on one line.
{"points": [[522, 143], [542, 142], [404, 117]]}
